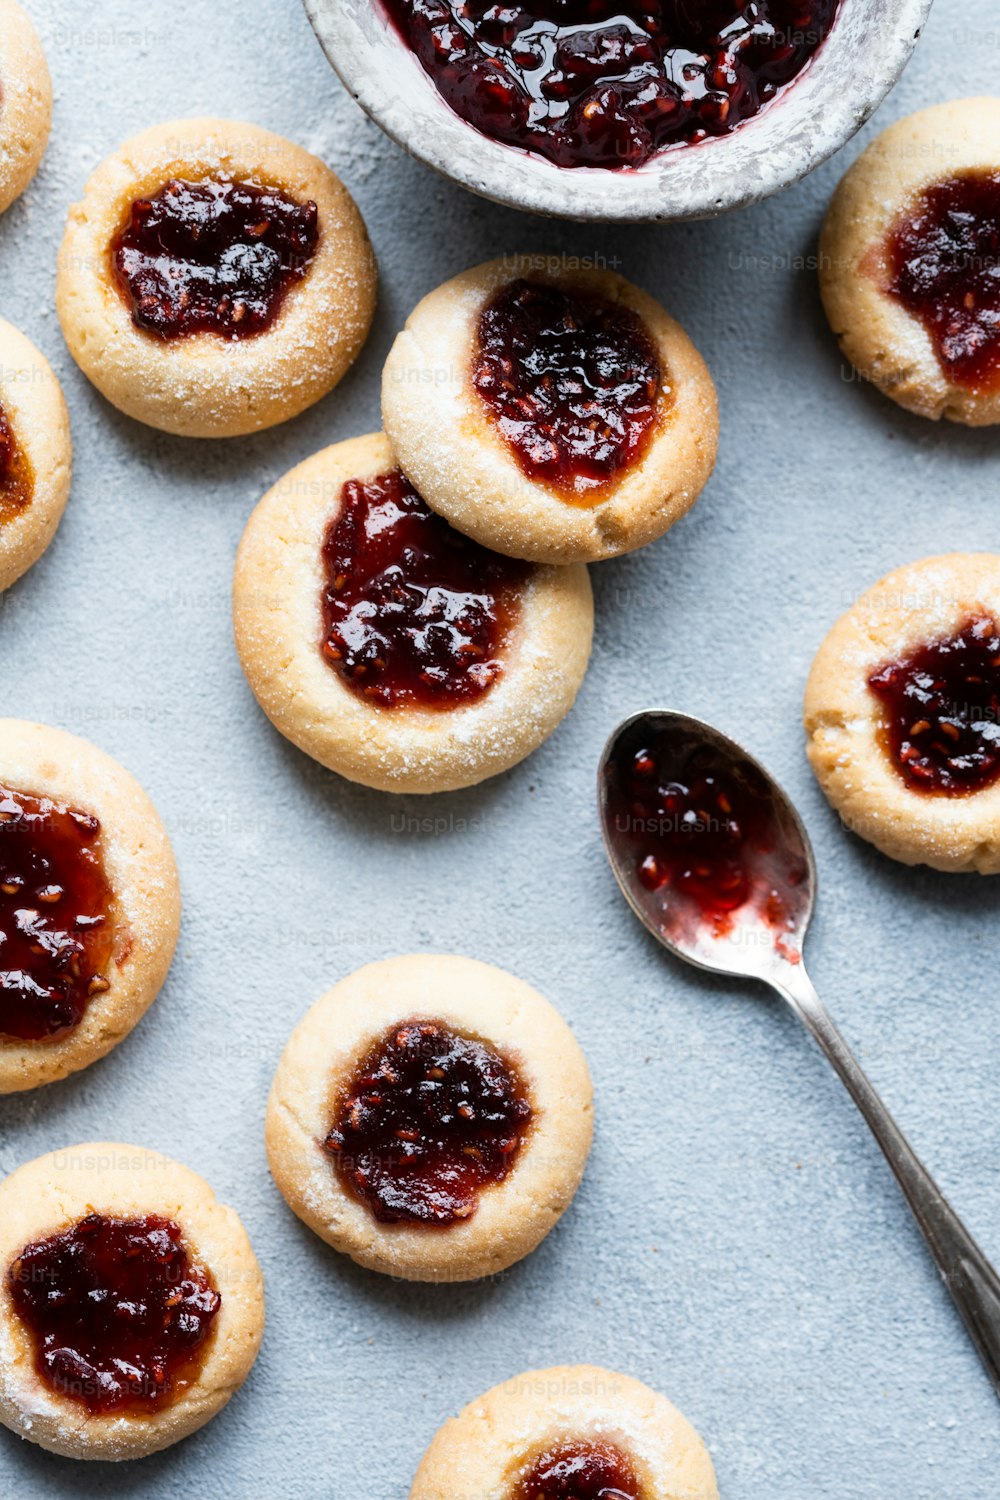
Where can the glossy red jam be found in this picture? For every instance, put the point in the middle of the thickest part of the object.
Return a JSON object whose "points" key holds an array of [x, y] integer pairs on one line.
{"points": [[573, 383], [706, 839], [430, 1119], [944, 261], [608, 83], [213, 257], [579, 1471], [116, 1310], [16, 479], [413, 611], [942, 711], [56, 916]]}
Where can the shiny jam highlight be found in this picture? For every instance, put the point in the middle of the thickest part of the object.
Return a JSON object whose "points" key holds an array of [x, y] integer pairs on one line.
{"points": [[216, 256], [941, 706], [116, 1311], [579, 1471], [414, 613], [608, 83], [429, 1121], [572, 382], [56, 916]]}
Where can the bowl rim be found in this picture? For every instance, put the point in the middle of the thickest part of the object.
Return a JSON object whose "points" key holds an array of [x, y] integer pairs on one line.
{"points": [[804, 126]]}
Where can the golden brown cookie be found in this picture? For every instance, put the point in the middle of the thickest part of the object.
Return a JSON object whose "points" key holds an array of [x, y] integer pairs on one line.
{"points": [[25, 102], [241, 327], [181, 1302], [525, 1438], [902, 714], [36, 454], [431, 1117], [89, 904], [551, 413], [388, 646], [908, 262]]}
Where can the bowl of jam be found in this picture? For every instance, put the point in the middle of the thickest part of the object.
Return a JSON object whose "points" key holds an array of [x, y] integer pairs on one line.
{"points": [[620, 109]]}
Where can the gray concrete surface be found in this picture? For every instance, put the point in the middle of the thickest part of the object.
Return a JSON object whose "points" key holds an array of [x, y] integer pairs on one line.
{"points": [[738, 1241]]}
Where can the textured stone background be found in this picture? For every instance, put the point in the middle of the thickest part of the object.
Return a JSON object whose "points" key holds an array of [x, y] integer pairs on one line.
{"points": [[738, 1241]]}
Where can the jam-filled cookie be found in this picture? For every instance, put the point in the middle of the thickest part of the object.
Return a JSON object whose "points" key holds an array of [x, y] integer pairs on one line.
{"points": [[89, 904], [389, 646], [216, 279], [25, 102], [902, 713], [552, 413], [36, 454], [131, 1303], [910, 262], [575, 1432], [431, 1118]]}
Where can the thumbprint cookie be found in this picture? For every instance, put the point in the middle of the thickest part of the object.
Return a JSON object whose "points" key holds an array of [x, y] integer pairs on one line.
{"points": [[431, 1118], [131, 1303], [575, 1432], [910, 262], [36, 454], [902, 714], [25, 102], [216, 279], [89, 904], [388, 645], [551, 413]]}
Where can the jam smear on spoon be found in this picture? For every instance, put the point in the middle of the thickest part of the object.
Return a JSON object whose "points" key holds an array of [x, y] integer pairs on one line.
{"points": [[708, 847], [57, 930], [942, 711], [430, 1119], [215, 256], [944, 267], [580, 1471], [117, 1312], [414, 613], [572, 381], [609, 83]]}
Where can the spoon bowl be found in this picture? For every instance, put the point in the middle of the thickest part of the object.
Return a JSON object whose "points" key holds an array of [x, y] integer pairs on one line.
{"points": [[716, 863]]}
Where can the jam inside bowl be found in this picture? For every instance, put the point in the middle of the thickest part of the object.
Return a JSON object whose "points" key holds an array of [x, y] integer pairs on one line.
{"points": [[615, 110]]}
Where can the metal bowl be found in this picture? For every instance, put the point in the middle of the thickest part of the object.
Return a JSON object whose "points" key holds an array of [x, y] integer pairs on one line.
{"points": [[858, 64]]}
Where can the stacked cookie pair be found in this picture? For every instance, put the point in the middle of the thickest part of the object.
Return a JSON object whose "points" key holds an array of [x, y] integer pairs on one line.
{"points": [[413, 608]]}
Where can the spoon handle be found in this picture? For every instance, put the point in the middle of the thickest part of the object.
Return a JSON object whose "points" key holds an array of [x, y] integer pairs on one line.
{"points": [[968, 1275]]}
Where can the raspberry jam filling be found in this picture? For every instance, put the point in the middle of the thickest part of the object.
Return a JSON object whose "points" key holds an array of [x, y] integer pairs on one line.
{"points": [[579, 1471], [16, 479], [706, 839], [212, 257], [944, 267], [414, 613], [56, 916], [430, 1119], [942, 711], [573, 383], [116, 1310], [607, 83]]}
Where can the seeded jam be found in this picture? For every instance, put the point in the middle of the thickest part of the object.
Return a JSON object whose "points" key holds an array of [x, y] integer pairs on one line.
{"points": [[56, 916], [944, 267], [117, 1312], [572, 381], [216, 256], [942, 711], [16, 479], [414, 613], [609, 83], [705, 837], [579, 1471], [430, 1119]]}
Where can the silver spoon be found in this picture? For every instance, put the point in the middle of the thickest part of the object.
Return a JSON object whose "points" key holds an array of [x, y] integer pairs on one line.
{"points": [[683, 810]]}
